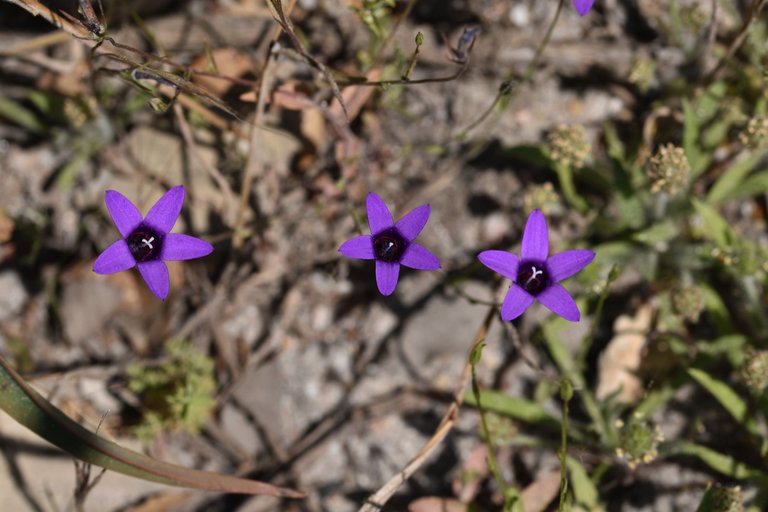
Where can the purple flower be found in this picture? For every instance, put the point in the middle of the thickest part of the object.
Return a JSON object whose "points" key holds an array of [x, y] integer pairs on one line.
{"points": [[391, 244], [536, 274], [583, 6], [146, 241]]}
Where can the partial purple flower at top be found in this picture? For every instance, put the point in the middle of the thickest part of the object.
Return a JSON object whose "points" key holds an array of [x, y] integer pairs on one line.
{"points": [[391, 244], [583, 6], [146, 241], [536, 274]]}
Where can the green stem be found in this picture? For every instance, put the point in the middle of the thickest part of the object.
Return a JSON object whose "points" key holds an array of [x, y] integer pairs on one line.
{"points": [[507, 91], [566, 393], [508, 491], [581, 360], [565, 177]]}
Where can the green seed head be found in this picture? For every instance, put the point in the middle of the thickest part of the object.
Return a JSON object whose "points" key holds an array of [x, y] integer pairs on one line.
{"points": [[727, 499], [642, 73], [638, 441], [755, 135], [542, 197], [754, 371], [688, 303], [669, 170], [568, 145]]}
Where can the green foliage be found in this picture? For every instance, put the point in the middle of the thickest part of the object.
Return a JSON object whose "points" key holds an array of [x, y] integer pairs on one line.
{"points": [[178, 394]]}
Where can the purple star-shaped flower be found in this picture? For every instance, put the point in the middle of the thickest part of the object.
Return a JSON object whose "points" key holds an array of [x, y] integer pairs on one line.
{"points": [[391, 244], [146, 241], [536, 274], [583, 6]]}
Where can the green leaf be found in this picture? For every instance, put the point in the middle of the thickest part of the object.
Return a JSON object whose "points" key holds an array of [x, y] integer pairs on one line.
{"points": [[14, 112], [514, 407], [734, 176], [654, 399], [728, 398], [730, 345], [567, 185], [659, 232], [750, 187], [691, 129], [716, 308], [717, 226], [709, 104], [583, 487], [707, 502], [33, 411], [721, 463]]}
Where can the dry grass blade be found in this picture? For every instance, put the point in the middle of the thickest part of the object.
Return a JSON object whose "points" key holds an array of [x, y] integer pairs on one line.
{"points": [[377, 500]]}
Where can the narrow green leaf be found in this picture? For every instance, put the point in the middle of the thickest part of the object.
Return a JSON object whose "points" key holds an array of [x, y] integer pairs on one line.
{"points": [[717, 226], [660, 232], [752, 186], [514, 407], [16, 113], [707, 502], [654, 399], [727, 397], [710, 104], [734, 176], [33, 411], [583, 486], [691, 129], [721, 463]]}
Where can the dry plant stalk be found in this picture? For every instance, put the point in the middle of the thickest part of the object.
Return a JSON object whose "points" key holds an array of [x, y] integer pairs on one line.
{"points": [[377, 500]]}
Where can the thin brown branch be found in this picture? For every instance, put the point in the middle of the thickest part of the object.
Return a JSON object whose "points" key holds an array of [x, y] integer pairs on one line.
{"points": [[377, 500], [276, 7], [754, 12]]}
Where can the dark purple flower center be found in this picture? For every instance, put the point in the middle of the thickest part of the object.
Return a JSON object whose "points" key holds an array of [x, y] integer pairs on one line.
{"points": [[532, 277], [145, 243], [389, 245]]}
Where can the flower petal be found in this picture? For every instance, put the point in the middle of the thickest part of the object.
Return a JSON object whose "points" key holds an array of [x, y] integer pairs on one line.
{"points": [[563, 265], [418, 257], [583, 6], [379, 217], [155, 274], [124, 214], [515, 303], [535, 238], [166, 210], [501, 262], [559, 301], [386, 276], [413, 222], [360, 247], [177, 246], [115, 258]]}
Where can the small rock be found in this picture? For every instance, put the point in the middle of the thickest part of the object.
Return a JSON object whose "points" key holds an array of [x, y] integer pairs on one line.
{"points": [[86, 306], [14, 295]]}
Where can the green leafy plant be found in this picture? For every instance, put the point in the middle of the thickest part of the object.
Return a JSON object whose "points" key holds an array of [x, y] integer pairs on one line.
{"points": [[178, 394]]}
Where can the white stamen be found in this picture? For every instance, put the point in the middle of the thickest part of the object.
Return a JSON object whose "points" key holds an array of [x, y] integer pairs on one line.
{"points": [[533, 276], [148, 243]]}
